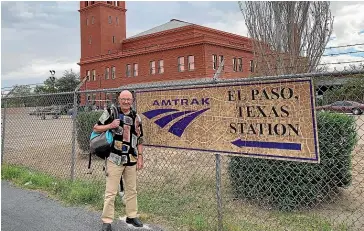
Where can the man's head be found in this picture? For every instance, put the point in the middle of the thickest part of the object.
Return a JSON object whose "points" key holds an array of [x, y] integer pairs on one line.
{"points": [[125, 100]]}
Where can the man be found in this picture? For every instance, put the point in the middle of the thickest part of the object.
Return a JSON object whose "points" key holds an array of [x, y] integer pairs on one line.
{"points": [[124, 160]]}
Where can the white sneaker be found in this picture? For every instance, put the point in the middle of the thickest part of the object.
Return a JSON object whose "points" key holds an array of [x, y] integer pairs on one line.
{"points": [[121, 194]]}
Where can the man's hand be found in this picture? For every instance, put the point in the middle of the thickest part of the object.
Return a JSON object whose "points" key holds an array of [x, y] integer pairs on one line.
{"points": [[140, 162], [115, 124]]}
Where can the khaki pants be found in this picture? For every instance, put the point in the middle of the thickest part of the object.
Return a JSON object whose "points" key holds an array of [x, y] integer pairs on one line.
{"points": [[112, 183]]}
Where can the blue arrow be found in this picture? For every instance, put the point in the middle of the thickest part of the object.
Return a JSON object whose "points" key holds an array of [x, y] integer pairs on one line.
{"points": [[272, 145]]}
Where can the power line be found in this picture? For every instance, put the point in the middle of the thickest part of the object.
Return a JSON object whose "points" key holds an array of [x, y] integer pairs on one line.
{"points": [[343, 53], [350, 45]]}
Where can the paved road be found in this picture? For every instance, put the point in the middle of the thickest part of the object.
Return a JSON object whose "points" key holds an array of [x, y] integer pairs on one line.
{"points": [[25, 210]]}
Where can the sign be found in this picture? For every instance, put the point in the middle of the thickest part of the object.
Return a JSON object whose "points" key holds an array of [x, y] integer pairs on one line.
{"points": [[270, 119]]}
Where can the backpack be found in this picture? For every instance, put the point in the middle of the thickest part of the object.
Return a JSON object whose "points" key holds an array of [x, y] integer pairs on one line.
{"points": [[100, 143]]}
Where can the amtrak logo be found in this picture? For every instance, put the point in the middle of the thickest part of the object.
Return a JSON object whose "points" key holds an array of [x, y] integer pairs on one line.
{"points": [[180, 125]]}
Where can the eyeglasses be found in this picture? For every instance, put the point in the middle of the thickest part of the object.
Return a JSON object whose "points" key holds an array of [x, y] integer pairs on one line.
{"points": [[125, 100]]}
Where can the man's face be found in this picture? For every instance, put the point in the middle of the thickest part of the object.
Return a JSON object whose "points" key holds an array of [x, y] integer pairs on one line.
{"points": [[125, 100]]}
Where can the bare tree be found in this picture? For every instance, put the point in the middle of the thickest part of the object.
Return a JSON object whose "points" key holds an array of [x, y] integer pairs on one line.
{"points": [[288, 37]]}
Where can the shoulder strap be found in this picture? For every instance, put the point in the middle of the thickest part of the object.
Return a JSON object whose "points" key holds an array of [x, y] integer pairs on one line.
{"points": [[89, 161], [133, 112], [114, 112]]}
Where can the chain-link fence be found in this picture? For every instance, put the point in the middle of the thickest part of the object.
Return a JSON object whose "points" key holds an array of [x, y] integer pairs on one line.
{"points": [[192, 189]]}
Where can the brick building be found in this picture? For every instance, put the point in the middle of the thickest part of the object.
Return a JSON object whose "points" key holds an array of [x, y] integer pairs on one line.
{"points": [[175, 50]]}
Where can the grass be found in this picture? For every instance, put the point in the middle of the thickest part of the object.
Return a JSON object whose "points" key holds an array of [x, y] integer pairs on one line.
{"points": [[71, 193], [191, 208]]}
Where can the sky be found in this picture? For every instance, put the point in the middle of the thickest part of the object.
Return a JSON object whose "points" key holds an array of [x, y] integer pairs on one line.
{"points": [[40, 36]]}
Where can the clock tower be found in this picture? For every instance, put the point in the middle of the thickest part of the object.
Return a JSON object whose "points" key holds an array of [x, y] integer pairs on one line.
{"points": [[103, 27]]}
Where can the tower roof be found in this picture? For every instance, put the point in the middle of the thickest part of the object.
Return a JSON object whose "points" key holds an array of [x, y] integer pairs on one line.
{"points": [[172, 24]]}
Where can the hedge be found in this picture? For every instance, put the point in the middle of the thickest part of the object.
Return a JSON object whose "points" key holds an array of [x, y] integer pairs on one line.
{"points": [[85, 122], [352, 90], [288, 185]]}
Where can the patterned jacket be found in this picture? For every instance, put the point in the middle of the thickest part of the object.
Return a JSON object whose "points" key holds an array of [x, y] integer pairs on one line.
{"points": [[127, 136]]}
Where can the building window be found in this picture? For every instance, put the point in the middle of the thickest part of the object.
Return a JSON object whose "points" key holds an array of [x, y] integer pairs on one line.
{"points": [[135, 69], [93, 98], [214, 62], [128, 70], [191, 62], [113, 72], [181, 64], [89, 40], [88, 75], [93, 75], [86, 3], [88, 99], [221, 58], [107, 70], [113, 39], [152, 67], [237, 64], [109, 2], [110, 96], [92, 20], [116, 3], [110, 20], [251, 65], [117, 21], [86, 21], [161, 67], [240, 64], [107, 96]]}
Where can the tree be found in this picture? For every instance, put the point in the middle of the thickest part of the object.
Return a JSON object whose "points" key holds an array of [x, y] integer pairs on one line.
{"points": [[48, 87], [67, 83], [288, 37], [20, 90], [351, 90], [19, 96]]}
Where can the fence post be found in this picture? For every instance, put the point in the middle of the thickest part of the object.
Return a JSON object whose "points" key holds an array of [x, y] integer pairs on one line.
{"points": [[73, 155], [218, 166], [74, 115], [3, 131], [218, 191], [4, 123]]}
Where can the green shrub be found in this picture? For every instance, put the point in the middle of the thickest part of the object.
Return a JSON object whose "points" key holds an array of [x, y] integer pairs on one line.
{"points": [[352, 90], [85, 121], [288, 185]]}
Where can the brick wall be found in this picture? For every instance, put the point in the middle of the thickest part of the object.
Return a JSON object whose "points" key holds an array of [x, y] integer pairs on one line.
{"points": [[229, 54], [92, 30], [169, 58]]}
